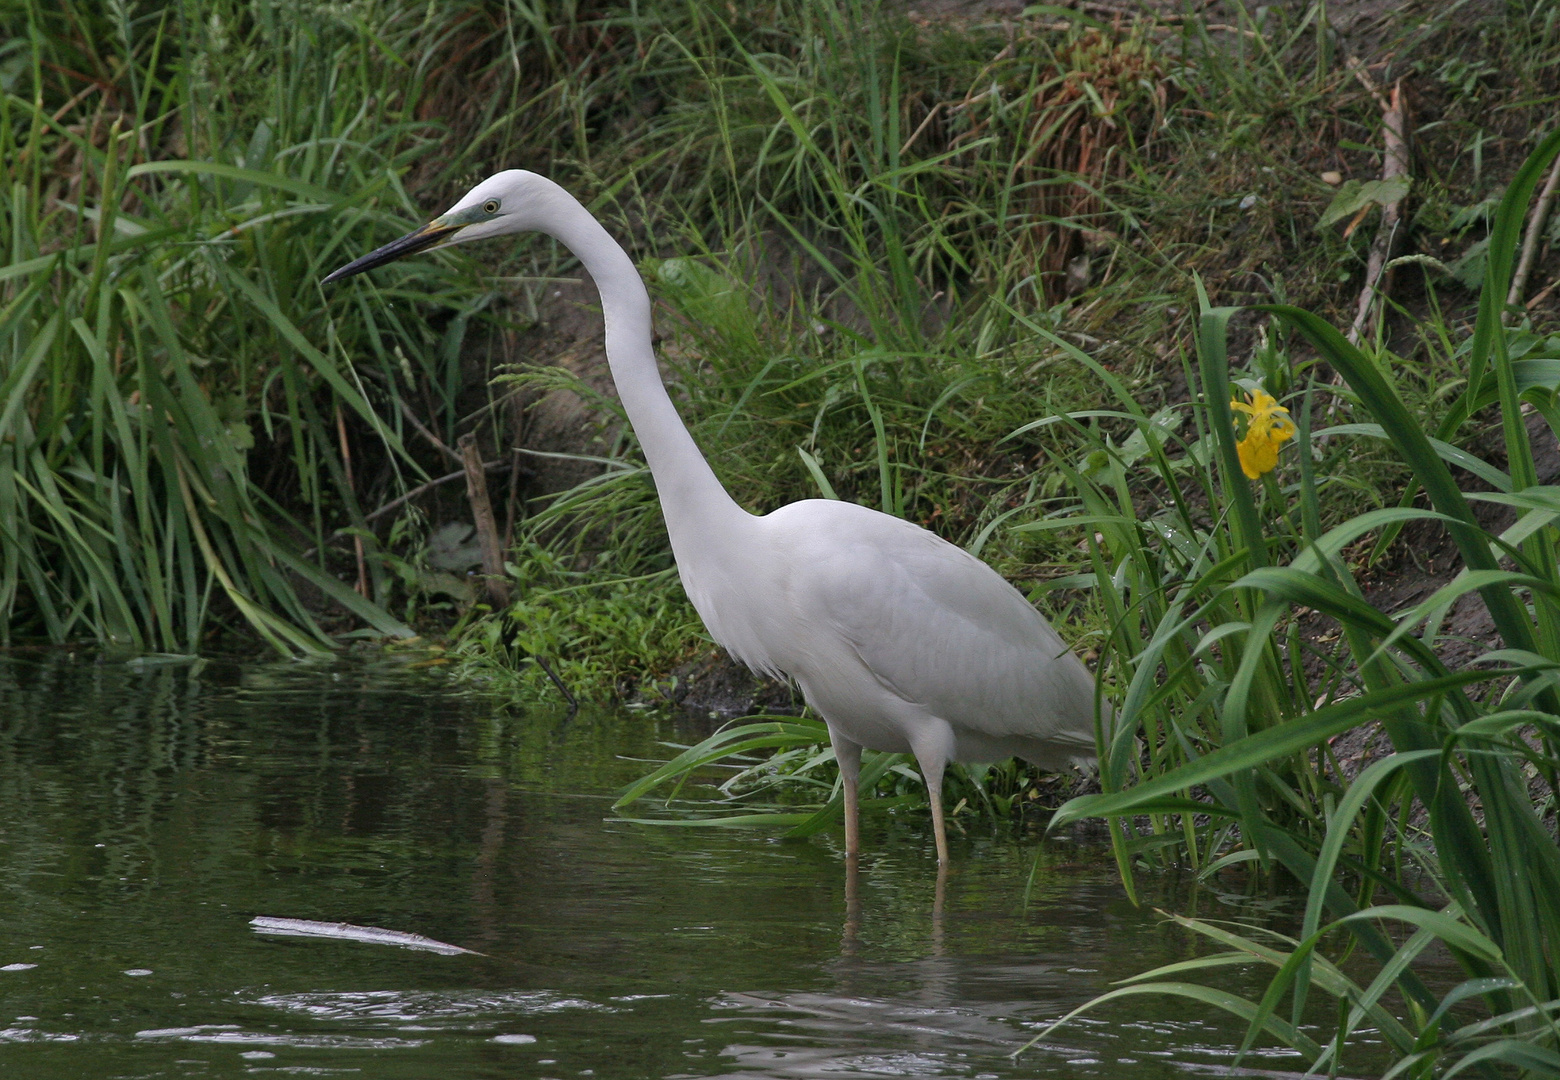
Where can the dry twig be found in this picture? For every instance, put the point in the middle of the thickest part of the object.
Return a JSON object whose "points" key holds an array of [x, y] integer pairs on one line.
{"points": [[434, 440], [402, 500], [1535, 232], [1394, 132]]}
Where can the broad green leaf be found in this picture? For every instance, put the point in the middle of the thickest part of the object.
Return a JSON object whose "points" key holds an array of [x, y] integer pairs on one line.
{"points": [[1354, 195]]}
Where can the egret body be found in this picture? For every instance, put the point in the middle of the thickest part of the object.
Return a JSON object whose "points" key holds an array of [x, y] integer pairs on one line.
{"points": [[900, 640]]}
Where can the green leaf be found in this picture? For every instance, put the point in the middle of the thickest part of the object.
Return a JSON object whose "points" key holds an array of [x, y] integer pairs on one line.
{"points": [[815, 470], [741, 739], [1264, 746], [1449, 453], [258, 177], [1453, 931], [1538, 1061], [1221, 999], [1355, 196]]}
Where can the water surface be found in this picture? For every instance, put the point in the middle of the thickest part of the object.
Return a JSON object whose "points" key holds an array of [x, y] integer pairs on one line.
{"points": [[148, 811]]}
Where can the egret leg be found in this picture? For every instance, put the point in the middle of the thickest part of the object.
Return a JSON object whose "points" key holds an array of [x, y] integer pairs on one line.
{"points": [[850, 941], [932, 753], [848, 754], [934, 796], [939, 905]]}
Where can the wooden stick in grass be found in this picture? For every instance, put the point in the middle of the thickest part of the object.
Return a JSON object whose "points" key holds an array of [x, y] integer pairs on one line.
{"points": [[396, 503], [434, 440], [487, 527], [1394, 132], [1535, 232]]}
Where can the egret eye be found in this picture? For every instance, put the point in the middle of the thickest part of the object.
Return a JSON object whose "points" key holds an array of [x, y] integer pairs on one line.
{"points": [[490, 207]]}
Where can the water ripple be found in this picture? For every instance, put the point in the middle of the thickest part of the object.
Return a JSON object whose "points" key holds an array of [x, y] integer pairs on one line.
{"points": [[408, 1006], [23, 1035], [233, 1035]]}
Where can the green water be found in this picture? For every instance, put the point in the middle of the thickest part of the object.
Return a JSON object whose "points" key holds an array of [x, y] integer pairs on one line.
{"points": [[148, 812]]}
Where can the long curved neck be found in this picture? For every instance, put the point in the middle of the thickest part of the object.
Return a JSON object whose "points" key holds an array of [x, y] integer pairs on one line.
{"points": [[692, 499]]}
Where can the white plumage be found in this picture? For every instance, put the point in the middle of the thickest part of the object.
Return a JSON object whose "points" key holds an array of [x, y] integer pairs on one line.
{"points": [[901, 641]]}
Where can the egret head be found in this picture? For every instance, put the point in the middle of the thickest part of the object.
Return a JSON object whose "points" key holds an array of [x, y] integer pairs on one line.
{"points": [[508, 202]]}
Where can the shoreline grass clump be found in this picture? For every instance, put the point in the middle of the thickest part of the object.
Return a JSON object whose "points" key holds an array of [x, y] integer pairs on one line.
{"points": [[1220, 750], [184, 404]]}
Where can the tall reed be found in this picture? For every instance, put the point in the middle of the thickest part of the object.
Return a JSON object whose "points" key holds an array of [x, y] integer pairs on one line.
{"points": [[178, 391]]}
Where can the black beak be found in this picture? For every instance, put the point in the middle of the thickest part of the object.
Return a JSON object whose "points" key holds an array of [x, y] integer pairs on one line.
{"points": [[413, 242]]}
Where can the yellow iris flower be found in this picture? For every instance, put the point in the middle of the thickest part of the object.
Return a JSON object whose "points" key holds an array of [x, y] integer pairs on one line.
{"points": [[1266, 429]]}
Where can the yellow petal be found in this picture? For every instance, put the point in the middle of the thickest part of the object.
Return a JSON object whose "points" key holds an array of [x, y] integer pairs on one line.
{"points": [[1266, 431], [1262, 401], [1257, 455]]}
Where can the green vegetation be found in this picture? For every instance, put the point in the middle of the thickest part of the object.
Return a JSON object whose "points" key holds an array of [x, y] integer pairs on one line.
{"points": [[1003, 280], [1208, 647], [177, 388]]}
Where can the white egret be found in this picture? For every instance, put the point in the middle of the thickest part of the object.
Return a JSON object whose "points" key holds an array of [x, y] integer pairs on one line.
{"points": [[900, 640]]}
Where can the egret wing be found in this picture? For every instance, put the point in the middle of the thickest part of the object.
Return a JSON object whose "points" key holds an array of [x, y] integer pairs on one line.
{"points": [[942, 629]]}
